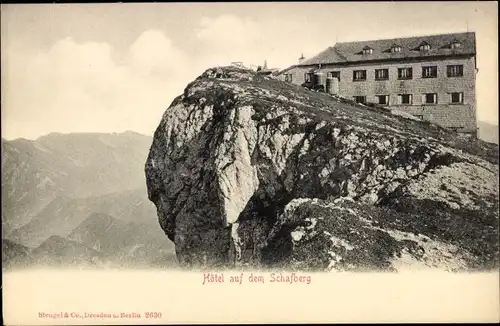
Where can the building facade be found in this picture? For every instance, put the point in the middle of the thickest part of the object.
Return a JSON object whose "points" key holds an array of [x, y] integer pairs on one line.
{"points": [[431, 77]]}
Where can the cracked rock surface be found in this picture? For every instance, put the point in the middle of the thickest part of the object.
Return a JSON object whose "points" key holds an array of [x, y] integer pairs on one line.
{"points": [[249, 171]]}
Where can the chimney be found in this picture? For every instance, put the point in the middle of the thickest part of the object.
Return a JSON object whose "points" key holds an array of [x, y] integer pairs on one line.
{"points": [[302, 58]]}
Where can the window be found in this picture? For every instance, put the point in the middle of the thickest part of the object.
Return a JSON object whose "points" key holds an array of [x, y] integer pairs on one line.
{"points": [[288, 77], [456, 45], [308, 77], [381, 74], [430, 98], [456, 97], [425, 47], [405, 99], [405, 73], [455, 70], [382, 99], [395, 48], [367, 50], [334, 74], [360, 99], [429, 72], [359, 75]]}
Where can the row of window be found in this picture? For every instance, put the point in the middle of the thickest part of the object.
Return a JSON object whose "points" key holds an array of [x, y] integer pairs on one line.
{"points": [[383, 74], [407, 73], [407, 99], [424, 46]]}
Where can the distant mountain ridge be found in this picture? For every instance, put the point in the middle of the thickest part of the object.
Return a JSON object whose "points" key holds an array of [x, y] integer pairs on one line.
{"points": [[122, 239], [63, 214], [60, 251], [488, 132], [73, 165], [80, 198]]}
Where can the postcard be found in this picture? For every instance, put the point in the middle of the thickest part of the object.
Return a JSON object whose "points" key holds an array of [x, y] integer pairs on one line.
{"points": [[315, 162]]}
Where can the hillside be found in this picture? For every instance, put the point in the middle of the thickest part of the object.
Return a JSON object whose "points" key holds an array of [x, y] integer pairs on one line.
{"points": [[63, 214], [58, 251], [99, 241], [72, 165], [126, 241], [56, 190], [249, 171], [14, 254]]}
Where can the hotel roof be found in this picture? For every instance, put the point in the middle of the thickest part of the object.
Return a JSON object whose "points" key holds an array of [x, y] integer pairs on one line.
{"points": [[440, 45]]}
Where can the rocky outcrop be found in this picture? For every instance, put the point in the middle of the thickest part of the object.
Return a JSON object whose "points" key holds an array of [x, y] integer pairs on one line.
{"points": [[249, 171]]}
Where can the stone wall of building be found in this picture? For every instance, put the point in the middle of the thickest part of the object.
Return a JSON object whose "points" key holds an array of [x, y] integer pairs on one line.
{"points": [[459, 116]]}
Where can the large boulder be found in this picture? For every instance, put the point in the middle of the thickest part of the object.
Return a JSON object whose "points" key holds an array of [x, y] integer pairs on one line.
{"points": [[241, 163]]}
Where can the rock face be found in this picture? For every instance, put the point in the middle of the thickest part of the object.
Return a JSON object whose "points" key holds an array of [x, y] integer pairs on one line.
{"points": [[245, 170]]}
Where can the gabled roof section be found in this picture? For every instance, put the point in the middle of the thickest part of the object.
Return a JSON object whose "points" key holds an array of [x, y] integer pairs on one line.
{"points": [[394, 46], [422, 44], [366, 50], [353, 51], [286, 69], [329, 55], [452, 43]]}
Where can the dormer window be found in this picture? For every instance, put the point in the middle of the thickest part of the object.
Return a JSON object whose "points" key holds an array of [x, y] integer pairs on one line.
{"points": [[367, 50], [424, 46], [395, 48]]}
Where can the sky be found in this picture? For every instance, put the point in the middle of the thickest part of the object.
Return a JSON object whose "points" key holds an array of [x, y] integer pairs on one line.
{"points": [[117, 67]]}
